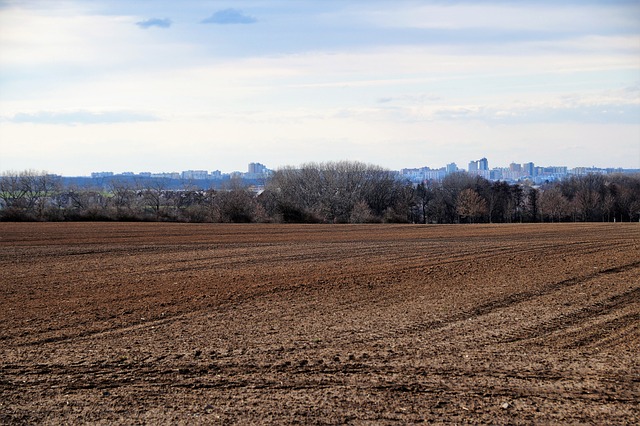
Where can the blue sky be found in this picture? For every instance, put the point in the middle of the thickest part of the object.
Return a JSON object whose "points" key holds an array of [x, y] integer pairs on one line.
{"points": [[168, 86]]}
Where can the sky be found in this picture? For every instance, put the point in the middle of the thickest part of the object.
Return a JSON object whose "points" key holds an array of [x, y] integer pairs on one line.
{"points": [[163, 86]]}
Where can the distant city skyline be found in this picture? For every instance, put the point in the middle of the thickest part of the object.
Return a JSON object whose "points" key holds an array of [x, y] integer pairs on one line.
{"points": [[513, 171], [462, 166], [162, 86], [257, 167]]}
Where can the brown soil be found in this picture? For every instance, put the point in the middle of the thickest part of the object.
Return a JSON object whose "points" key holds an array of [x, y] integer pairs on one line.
{"points": [[114, 323]]}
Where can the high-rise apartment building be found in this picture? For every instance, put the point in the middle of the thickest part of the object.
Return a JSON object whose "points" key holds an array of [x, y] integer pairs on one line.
{"points": [[515, 167], [529, 169], [257, 169], [483, 164]]}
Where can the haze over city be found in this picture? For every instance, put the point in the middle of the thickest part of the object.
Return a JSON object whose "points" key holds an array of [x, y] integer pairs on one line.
{"points": [[165, 86]]}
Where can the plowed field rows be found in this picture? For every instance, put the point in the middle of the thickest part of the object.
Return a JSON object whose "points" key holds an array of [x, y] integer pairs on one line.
{"points": [[115, 323]]}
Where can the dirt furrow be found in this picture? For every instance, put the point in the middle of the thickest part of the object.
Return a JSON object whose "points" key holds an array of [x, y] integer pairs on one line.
{"points": [[376, 324]]}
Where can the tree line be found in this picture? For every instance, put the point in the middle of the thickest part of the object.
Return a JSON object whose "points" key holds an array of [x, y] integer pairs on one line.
{"points": [[334, 192]]}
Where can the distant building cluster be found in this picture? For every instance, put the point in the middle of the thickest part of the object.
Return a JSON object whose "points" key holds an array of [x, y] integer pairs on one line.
{"points": [[255, 171], [514, 173]]}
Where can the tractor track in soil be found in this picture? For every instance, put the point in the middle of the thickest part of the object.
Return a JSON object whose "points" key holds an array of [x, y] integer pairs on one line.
{"points": [[125, 323]]}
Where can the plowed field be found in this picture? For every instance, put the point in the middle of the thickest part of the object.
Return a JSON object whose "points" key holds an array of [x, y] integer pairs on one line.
{"points": [[116, 323]]}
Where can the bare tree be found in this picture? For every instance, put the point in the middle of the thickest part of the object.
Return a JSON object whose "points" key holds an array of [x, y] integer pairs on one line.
{"points": [[361, 213], [424, 194], [125, 200], [589, 195], [12, 192], [629, 199], [195, 205], [471, 205], [553, 204], [26, 195], [83, 204], [236, 206], [532, 204], [608, 206], [330, 191], [156, 198], [46, 187]]}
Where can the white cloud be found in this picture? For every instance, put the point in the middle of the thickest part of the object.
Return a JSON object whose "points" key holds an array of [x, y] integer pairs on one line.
{"points": [[29, 38], [229, 17], [73, 118], [154, 22], [74, 38], [519, 17]]}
